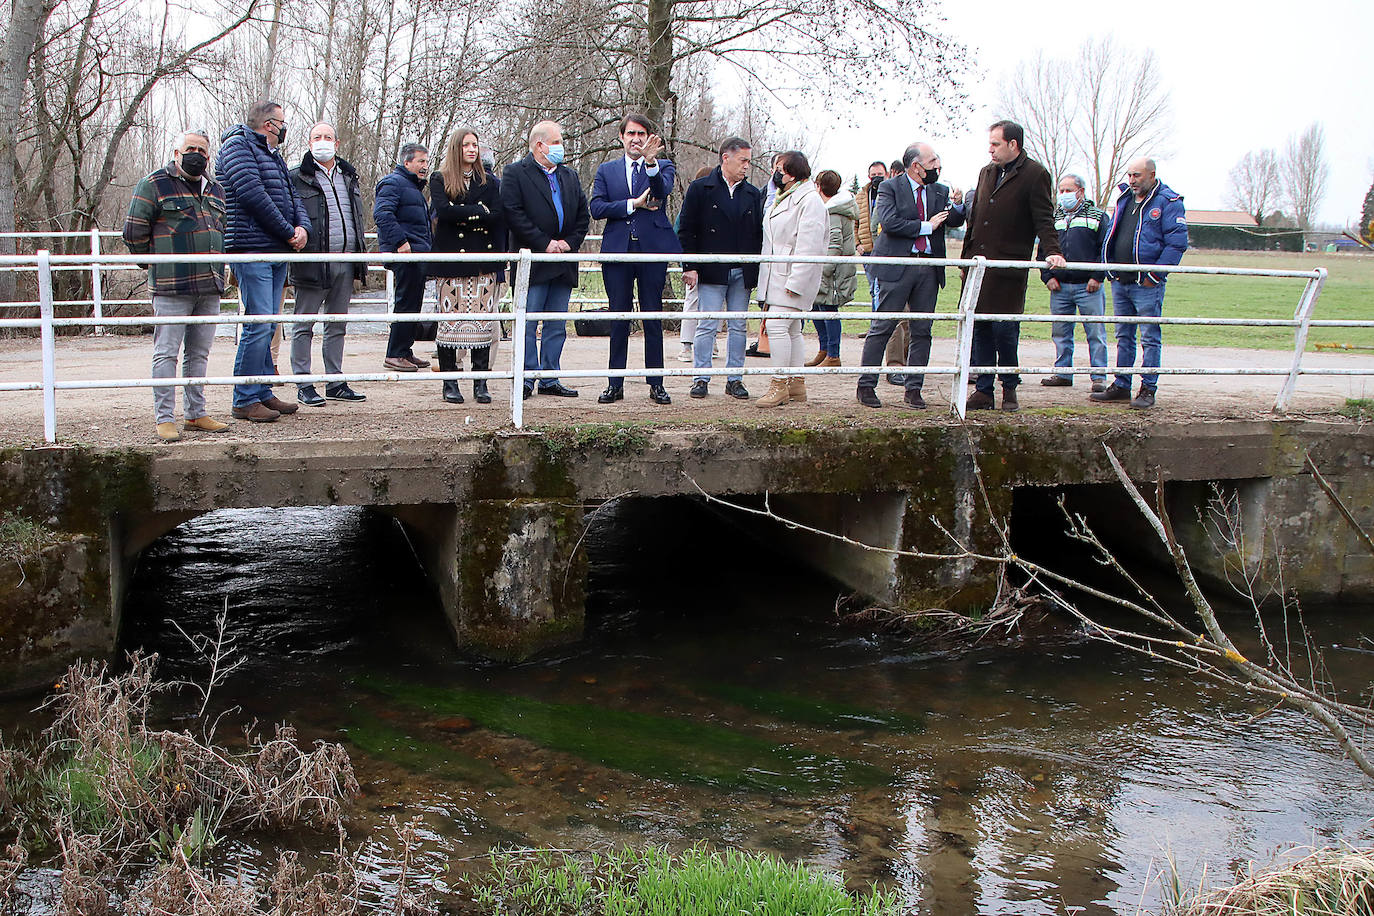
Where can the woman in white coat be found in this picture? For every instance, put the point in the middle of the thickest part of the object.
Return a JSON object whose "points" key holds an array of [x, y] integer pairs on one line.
{"points": [[796, 224]]}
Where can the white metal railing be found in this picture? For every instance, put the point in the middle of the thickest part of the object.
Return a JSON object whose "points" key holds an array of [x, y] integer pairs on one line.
{"points": [[965, 318]]}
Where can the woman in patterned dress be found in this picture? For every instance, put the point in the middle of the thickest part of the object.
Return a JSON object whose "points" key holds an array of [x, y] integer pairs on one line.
{"points": [[467, 218]]}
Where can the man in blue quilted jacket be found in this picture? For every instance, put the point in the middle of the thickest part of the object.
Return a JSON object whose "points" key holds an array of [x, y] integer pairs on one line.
{"points": [[264, 215], [402, 217], [1149, 227]]}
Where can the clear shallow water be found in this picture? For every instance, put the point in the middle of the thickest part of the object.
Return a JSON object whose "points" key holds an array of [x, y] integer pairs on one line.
{"points": [[728, 707]]}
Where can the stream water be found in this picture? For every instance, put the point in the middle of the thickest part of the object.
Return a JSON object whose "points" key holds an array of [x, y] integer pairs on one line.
{"points": [[718, 700]]}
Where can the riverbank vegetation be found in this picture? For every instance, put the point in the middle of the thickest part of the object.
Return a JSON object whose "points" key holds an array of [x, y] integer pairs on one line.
{"points": [[1327, 882], [654, 882]]}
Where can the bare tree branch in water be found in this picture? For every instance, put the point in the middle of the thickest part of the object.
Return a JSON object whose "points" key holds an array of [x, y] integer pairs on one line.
{"points": [[1197, 643]]}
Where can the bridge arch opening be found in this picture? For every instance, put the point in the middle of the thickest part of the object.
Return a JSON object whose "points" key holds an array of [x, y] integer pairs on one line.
{"points": [[295, 585]]}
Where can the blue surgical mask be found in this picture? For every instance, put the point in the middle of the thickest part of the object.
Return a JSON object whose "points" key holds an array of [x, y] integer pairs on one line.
{"points": [[555, 153], [1068, 200]]}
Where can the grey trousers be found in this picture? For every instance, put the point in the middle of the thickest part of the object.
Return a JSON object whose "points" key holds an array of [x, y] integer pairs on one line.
{"points": [[168, 340], [915, 291], [333, 299]]}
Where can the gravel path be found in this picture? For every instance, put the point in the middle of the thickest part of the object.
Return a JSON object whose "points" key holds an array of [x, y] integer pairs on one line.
{"points": [[413, 409]]}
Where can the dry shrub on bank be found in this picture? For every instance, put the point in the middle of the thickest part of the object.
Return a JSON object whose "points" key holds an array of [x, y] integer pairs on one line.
{"points": [[11, 866], [1329, 882], [112, 775]]}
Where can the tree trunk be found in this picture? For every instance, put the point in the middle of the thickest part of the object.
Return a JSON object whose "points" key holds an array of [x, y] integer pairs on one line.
{"points": [[659, 63], [25, 25]]}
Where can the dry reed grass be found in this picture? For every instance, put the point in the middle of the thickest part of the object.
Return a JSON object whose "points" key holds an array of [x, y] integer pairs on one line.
{"points": [[1326, 882]]}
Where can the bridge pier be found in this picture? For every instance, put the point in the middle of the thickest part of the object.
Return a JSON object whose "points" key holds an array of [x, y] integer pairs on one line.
{"points": [[508, 571]]}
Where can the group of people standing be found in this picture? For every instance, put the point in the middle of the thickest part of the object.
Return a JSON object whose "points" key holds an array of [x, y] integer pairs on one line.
{"points": [[257, 203]]}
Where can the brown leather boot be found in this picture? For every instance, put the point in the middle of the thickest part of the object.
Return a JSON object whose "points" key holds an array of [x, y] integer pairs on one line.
{"points": [[816, 360], [831, 361], [776, 396], [796, 389]]}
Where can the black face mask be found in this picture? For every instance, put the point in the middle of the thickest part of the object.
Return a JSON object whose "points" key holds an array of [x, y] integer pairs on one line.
{"points": [[281, 136], [876, 180], [779, 179], [193, 164], [931, 176]]}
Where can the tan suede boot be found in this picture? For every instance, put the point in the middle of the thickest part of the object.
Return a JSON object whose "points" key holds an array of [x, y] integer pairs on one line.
{"points": [[816, 360], [776, 396], [796, 389], [831, 361]]}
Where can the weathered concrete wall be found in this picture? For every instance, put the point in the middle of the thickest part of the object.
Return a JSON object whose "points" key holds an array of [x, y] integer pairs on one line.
{"points": [[497, 518]]}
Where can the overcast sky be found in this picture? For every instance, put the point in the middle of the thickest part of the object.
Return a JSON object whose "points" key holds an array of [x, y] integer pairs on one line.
{"points": [[1243, 75]]}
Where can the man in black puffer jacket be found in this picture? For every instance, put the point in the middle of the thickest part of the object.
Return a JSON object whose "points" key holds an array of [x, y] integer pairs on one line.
{"points": [[402, 219], [264, 215]]}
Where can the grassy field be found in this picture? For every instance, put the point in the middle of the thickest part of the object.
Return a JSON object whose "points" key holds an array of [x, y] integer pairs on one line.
{"points": [[1348, 293]]}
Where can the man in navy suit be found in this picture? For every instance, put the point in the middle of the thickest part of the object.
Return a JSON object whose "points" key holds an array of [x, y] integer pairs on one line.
{"points": [[546, 210], [913, 211], [629, 193]]}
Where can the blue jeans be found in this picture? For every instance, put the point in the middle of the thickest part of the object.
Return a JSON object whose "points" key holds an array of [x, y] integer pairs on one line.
{"points": [[732, 296], [1132, 299], [828, 330], [547, 352], [1070, 299], [260, 286], [872, 285]]}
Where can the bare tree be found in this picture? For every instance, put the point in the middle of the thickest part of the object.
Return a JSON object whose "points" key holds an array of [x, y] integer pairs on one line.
{"points": [[22, 32], [1105, 106], [1040, 94], [1304, 171], [1253, 186]]}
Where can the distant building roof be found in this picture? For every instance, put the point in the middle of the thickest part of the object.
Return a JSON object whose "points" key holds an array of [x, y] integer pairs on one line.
{"points": [[1221, 218]]}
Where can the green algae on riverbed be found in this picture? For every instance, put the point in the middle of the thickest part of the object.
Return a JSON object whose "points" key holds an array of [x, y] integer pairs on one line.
{"points": [[803, 710], [376, 738], [660, 747]]}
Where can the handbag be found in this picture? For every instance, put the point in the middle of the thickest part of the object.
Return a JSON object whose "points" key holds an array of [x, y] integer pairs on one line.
{"points": [[428, 330]]}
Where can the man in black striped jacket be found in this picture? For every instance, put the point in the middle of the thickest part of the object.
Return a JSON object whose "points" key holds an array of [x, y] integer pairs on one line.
{"points": [[1082, 228]]}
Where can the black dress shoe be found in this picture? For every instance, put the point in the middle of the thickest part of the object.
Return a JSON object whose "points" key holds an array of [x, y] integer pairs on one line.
{"points": [[612, 394], [912, 398], [308, 396], [659, 395], [868, 397], [341, 392], [737, 390], [699, 388], [529, 392], [897, 378], [558, 390]]}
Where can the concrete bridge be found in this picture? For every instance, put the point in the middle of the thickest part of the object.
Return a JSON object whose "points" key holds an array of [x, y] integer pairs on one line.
{"points": [[497, 515]]}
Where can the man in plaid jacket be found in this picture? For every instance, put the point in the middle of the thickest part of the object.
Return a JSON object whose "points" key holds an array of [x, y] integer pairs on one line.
{"points": [[178, 209]]}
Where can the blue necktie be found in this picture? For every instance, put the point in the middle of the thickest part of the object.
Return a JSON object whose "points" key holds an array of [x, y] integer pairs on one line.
{"points": [[557, 197], [640, 180]]}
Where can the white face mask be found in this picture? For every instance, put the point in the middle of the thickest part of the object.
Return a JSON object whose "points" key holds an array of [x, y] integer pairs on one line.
{"points": [[322, 150]]}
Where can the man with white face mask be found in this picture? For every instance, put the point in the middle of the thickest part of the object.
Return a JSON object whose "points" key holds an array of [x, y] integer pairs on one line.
{"points": [[328, 187], [1082, 229]]}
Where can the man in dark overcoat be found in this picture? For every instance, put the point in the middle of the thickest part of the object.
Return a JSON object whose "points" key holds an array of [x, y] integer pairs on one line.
{"points": [[1012, 205]]}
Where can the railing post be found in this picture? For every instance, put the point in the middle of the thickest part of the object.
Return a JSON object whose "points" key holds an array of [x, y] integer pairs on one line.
{"points": [[1303, 315], [968, 303], [517, 340], [390, 288], [97, 294], [49, 346]]}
